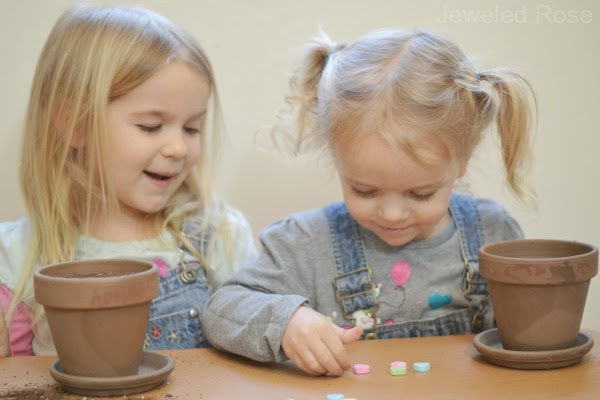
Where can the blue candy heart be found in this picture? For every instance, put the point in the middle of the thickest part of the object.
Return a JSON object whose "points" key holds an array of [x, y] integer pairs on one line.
{"points": [[437, 300]]}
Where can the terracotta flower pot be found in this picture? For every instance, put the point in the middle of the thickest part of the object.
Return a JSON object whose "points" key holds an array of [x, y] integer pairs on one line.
{"points": [[98, 312], [538, 290]]}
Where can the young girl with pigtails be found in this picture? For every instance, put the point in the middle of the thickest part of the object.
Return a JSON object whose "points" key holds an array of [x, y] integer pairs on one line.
{"points": [[401, 114], [114, 165]]}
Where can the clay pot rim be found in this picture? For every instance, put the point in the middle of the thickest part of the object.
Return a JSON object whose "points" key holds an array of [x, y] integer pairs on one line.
{"points": [[96, 292], [39, 273], [484, 251]]}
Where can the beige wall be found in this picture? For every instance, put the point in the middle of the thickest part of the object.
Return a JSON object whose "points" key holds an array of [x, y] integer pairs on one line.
{"points": [[252, 44]]}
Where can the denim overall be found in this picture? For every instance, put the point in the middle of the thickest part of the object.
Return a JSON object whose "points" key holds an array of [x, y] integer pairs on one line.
{"points": [[355, 289], [177, 311]]}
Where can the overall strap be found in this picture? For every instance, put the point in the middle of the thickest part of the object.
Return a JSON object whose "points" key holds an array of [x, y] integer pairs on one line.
{"points": [[468, 222], [194, 240], [353, 285], [197, 235]]}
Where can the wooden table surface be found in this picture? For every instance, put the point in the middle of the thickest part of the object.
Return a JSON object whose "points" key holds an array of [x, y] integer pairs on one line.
{"points": [[457, 372]]}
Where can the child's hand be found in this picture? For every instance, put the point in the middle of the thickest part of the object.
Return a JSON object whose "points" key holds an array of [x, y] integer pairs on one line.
{"points": [[4, 340], [315, 344]]}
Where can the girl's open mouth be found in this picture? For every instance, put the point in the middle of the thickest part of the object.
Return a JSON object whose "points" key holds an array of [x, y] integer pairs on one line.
{"points": [[157, 176]]}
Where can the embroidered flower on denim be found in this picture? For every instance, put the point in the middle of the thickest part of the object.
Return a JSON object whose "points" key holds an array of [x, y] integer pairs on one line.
{"points": [[172, 336], [156, 332]]}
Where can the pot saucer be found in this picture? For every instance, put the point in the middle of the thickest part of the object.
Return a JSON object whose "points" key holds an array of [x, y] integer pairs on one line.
{"points": [[489, 345], [153, 371]]}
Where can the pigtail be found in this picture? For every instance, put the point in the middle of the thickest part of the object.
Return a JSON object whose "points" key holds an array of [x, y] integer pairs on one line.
{"points": [[300, 120], [514, 121]]}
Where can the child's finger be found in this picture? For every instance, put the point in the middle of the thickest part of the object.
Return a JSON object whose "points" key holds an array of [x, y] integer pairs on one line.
{"points": [[336, 347], [325, 356], [309, 363], [350, 335], [298, 361]]}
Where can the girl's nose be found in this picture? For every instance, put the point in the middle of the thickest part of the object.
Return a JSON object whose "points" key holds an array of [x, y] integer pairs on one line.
{"points": [[174, 145], [393, 210]]}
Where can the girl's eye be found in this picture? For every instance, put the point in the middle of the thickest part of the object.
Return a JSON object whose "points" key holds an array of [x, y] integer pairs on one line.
{"points": [[149, 128], [191, 131], [365, 193], [423, 197]]}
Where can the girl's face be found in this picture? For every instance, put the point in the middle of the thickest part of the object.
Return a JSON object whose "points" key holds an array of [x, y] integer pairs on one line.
{"points": [[390, 193], [154, 137]]}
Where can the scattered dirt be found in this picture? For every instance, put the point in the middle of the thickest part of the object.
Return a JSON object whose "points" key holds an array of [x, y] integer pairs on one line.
{"points": [[54, 392], [35, 392]]}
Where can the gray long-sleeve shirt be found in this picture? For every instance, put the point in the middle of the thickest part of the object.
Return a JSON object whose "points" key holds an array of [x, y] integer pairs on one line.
{"points": [[249, 314]]}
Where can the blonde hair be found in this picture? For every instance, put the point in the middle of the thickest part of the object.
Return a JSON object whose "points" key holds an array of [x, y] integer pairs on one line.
{"points": [[392, 79], [92, 56]]}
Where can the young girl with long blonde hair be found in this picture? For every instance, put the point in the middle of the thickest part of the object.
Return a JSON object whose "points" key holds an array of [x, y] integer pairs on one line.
{"points": [[114, 163], [401, 114]]}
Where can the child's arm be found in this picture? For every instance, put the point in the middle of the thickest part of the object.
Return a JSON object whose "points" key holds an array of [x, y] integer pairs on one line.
{"points": [[20, 333], [4, 340], [14, 239], [249, 315], [272, 327]]}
